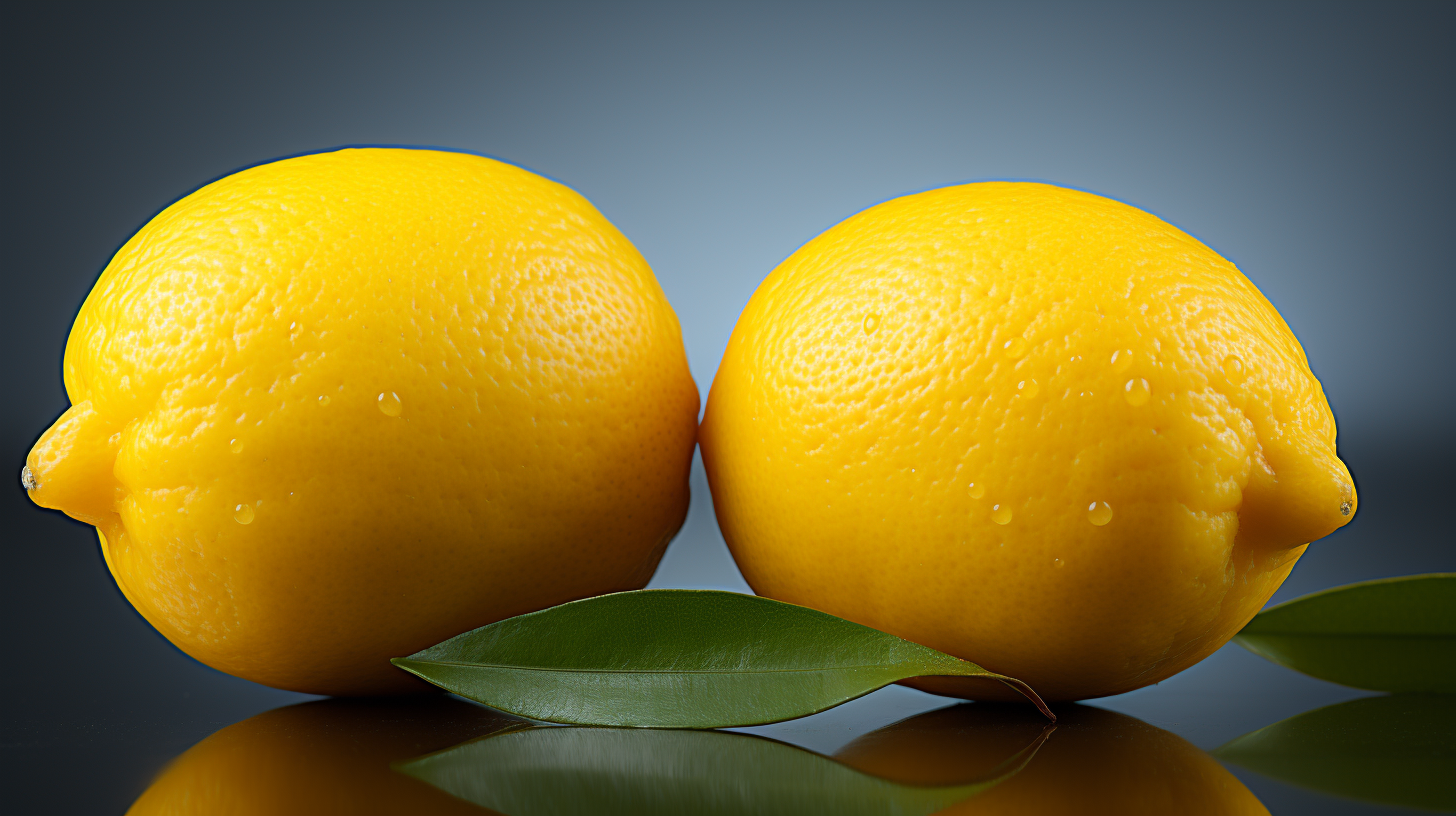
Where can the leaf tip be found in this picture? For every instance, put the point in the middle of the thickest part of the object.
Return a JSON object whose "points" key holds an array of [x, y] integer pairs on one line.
{"points": [[1030, 694], [409, 664]]}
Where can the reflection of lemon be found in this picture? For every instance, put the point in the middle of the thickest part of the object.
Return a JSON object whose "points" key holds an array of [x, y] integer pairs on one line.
{"points": [[338, 408], [1094, 762], [1028, 426], [330, 756]]}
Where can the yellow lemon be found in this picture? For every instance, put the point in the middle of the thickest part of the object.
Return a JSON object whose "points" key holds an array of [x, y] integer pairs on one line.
{"points": [[323, 757], [1025, 425], [337, 408], [1091, 762]]}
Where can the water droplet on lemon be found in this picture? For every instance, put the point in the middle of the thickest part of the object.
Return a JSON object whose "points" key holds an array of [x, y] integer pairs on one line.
{"points": [[324, 400], [1028, 388], [1121, 360], [1099, 513], [1137, 391], [977, 491], [389, 404], [243, 513], [1233, 368], [236, 446], [871, 322], [1015, 347], [1001, 513]]}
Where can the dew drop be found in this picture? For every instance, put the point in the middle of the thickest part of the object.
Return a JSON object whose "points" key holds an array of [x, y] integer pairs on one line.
{"points": [[1057, 562], [1137, 392], [1015, 347], [389, 404], [1099, 513], [977, 490], [27, 479], [243, 514], [871, 322], [1121, 360], [324, 400], [1001, 513], [1028, 388], [236, 446], [1233, 368]]}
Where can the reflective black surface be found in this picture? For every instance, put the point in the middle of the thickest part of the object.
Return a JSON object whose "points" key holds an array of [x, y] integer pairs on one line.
{"points": [[1310, 143], [898, 751]]}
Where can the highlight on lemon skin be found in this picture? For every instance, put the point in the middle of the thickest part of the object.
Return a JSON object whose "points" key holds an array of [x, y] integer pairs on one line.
{"points": [[1074, 445], [338, 408]]}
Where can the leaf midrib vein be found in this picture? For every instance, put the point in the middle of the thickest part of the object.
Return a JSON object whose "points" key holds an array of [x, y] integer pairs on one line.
{"points": [[665, 671]]}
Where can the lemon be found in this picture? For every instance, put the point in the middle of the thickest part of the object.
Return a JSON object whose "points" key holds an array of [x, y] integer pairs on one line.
{"points": [[337, 408], [1029, 426], [1091, 762]]}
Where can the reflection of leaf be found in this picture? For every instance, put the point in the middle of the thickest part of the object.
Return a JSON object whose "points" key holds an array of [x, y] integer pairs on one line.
{"points": [[1398, 749], [637, 772], [1397, 634], [673, 658]]}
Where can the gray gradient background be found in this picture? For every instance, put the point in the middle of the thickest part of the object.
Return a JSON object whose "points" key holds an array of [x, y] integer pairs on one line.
{"points": [[1309, 143]]}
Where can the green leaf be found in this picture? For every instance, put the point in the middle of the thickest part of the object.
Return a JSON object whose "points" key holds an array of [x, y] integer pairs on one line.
{"points": [[1397, 634], [676, 658], [637, 772], [1398, 750]]}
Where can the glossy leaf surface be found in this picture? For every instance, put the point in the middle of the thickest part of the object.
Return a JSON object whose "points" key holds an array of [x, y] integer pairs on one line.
{"points": [[635, 772], [1398, 749], [1397, 634], [678, 659]]}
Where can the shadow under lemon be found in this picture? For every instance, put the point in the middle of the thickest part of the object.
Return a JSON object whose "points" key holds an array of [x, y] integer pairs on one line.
{"points": [[1093, 762], [324, 757]]}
